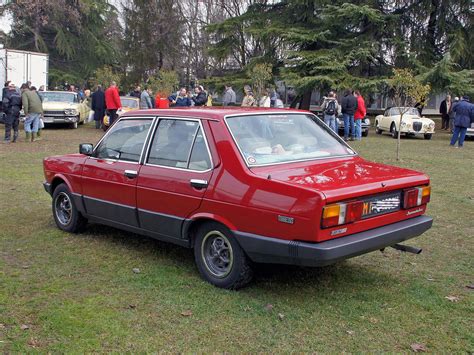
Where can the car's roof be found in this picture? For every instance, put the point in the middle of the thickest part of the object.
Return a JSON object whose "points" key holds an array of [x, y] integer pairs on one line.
{"points": [[217, 113], [129, 97]]}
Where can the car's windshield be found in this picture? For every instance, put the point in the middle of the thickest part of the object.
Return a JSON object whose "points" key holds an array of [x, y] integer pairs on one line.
{"points": [[406, 111], [279, 138], [58, 96], [128, 102]]}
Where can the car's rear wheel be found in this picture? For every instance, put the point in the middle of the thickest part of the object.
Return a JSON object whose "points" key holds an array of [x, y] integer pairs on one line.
{"points": [[393, 131], [220, 259], [65, 213], [428, 136]]}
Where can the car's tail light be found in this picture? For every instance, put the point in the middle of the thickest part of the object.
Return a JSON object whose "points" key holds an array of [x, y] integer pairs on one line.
{"points": [[342, 213], [416, 196]]}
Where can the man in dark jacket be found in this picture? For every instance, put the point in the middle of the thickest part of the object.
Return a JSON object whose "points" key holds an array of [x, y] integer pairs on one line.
{"points": [[201, 98], [11, 103], [348, 108], [98, 106], [464, 111], [444, 110], [137, 92]]}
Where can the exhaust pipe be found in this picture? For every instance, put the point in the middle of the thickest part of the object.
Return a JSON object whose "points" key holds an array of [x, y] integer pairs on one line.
{"points": [[407, 248]]}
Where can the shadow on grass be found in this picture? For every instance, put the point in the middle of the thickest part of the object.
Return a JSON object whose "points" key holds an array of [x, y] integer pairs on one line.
{"points": [[268, 277]]}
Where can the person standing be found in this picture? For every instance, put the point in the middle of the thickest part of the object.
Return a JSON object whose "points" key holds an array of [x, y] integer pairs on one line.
{"points": [[181, 99], [11, 103], [464, 111], [137, 92], [98, 106], [229, 98], [348, 108], [359, 115], [444, 110], [249, 99], [145, 99], [112, 102], [201, 97], [452, 114], [33, 109], [265, 99], [161, 101], [331, 109]]}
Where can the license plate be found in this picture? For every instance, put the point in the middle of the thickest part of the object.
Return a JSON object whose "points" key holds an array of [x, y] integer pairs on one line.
{"points": [[381, 204], [48, 119]]}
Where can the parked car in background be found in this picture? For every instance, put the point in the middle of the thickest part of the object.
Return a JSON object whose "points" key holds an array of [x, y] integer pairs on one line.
{"points": [[365, 125], [63, 107], [411, 125], [470, 131], [129, 103], [239, 186]]}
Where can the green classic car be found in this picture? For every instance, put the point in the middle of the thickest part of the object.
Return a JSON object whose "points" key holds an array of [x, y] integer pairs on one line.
{"points": [[64, 107]]}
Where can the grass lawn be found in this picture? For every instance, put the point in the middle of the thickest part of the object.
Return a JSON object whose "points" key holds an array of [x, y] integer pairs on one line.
{"points": [[77, 293]]}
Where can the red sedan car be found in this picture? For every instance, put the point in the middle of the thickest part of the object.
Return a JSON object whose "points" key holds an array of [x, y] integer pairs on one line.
{"points": [[239, 186]]}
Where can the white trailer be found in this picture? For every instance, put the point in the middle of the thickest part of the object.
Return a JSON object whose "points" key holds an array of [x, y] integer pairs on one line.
{"points": [[22, 66]]}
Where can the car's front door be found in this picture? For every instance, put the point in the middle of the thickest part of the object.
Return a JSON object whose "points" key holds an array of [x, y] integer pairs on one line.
{"points": [[110, 175], [174, 177]]}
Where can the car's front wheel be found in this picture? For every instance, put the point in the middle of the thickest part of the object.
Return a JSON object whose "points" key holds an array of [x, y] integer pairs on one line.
{"points": [[220, 259], [74, 125], [428, 136], [65, 213], [393, 131]]}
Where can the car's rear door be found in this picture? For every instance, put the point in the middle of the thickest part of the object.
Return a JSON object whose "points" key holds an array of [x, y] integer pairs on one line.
{"points": [[174, 176], [109, 177]]}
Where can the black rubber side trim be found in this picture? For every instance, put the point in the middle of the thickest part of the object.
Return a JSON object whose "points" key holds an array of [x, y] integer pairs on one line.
{"points": [[47, 187], [278, 251]]}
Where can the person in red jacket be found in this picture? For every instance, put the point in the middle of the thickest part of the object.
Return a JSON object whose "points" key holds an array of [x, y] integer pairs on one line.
{"points": [[161, 101], [112, 102], [359, 115]]}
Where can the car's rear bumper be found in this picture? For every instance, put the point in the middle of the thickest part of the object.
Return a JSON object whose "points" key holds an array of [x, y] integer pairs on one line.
{"points": [[272, 250]]}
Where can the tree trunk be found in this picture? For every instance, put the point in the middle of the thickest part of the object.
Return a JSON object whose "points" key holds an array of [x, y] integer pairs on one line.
{"points": [[398, 137], [306, 100]]}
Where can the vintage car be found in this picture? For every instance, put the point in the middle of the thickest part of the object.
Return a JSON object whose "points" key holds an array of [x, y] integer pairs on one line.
{"points": [[239, 186], [365, 126], [470, 131], [129, 103], [411, 125], [63, 107]]}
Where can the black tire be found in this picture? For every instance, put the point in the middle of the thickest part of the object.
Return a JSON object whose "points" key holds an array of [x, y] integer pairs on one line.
{"points": [[65, 213], [365, 133], [74, 125], [428, 136], [232, 270], [393, 131]]}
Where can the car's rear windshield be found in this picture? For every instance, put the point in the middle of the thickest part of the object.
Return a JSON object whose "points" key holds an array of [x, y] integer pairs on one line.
{"points": [[265, 139], [52, 96], [128, 102]]}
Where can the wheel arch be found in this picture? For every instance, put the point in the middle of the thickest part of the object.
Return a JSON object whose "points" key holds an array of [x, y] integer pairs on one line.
{"points": [[191, 226], [57, 180]]}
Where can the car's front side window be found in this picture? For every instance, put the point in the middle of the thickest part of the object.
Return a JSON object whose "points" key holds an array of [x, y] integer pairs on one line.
{"points": [[124, 141], [179, 144]]}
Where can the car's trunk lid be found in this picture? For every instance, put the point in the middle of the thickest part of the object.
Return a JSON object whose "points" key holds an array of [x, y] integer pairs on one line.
{"points": [[343, 178]]}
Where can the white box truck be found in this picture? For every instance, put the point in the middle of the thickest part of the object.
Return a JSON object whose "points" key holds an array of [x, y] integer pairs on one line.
{"points": [[22, 66]]}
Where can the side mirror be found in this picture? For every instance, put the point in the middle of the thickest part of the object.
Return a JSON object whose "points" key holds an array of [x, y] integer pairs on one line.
{"points": [[86, 148]]}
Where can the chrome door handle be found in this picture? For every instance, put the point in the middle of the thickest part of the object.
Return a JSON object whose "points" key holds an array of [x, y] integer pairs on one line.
{"points": [[198, 184], [131, 174]]}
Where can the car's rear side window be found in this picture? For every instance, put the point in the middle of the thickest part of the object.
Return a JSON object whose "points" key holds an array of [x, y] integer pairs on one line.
{"points": [[124, 141], [179, 144]]}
